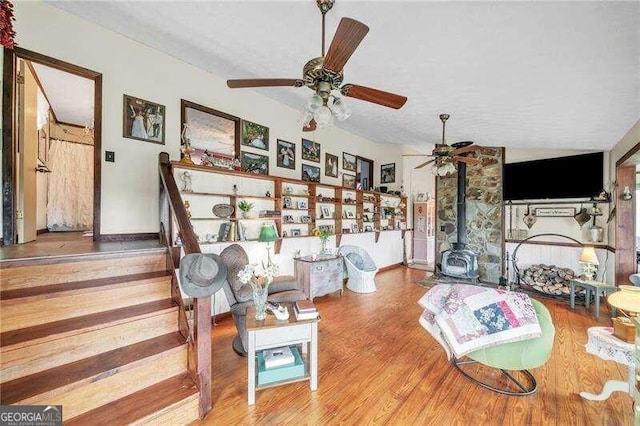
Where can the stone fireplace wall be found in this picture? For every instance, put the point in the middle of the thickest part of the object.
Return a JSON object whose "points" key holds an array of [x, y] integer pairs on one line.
{"points": [[485, 215]]}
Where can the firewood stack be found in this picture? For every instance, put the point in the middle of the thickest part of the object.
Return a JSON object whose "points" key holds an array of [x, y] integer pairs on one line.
{"points": [[549, 279]]}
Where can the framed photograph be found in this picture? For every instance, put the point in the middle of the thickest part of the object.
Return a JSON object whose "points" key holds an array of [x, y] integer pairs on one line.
{"points": [[302, 205], [351, 214], [305, 219], [348, 162], [348, 181], [286, 152], [287, 203], [310, 173], [310, 151], [213, 134], [254, 163], [388, 173], [143, 120], [555, 211], [295, 232], [325, 213], [255, 135], [368, 228], [330, 165], [287, 218], [354, 228], [346, 230]]}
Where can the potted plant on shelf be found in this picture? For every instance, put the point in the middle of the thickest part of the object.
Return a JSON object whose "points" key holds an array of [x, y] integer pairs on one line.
{"points": [[245, 207]]}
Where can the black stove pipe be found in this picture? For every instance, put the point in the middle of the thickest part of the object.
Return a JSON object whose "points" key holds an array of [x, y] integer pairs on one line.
{"points": [[462, 207]]}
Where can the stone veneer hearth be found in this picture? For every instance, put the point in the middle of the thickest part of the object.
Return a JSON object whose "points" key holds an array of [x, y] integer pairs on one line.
{"points": [[485, 215]]}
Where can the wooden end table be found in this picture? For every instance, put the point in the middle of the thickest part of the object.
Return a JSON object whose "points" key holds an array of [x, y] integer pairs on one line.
{"points": [[274, 333]]}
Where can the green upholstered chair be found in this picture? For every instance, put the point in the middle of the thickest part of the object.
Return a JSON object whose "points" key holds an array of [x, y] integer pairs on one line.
{"points": [[515, 357]]}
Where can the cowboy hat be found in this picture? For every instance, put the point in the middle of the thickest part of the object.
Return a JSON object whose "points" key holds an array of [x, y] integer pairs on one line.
{"points": [[202, 274]]}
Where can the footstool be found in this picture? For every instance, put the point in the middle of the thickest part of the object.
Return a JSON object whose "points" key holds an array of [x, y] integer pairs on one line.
{"points": [[598, 288]]}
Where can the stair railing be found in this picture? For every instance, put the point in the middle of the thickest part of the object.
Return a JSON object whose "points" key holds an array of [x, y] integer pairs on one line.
{"points": [[171, 205]]}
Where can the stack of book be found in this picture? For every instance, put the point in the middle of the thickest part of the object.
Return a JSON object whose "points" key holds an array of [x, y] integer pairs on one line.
{"points": [[305, 310]]}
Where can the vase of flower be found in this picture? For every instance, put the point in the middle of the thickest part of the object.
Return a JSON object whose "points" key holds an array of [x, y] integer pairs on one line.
{"points": [[323, 234], [259, 277], [260, 300]]}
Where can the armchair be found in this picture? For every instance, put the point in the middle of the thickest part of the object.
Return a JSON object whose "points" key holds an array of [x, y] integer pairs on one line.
{"points": [[240, 295]]}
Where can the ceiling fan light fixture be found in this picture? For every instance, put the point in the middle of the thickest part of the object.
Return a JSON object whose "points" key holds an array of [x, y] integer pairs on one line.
{"points": [[340, 108], [323, 116], [315, 102], [443, 167], [305, 117]]}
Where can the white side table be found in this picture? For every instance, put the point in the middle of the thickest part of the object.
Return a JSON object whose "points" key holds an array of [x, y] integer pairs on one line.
{"points": [[274, 333], [603, 344]]}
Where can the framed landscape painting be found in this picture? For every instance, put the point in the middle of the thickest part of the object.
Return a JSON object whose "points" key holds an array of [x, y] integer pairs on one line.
{"points": [[388, 173], [254, 163], [310, 173], [348, 162], [310, 151], [349, 181], [255, 135], [143, 120]]}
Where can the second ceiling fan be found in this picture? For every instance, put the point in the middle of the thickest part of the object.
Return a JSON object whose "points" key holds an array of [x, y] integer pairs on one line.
{"points": [[445, 155], [325, 73]]}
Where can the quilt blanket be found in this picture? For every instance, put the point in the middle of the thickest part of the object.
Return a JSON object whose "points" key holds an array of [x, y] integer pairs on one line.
{"points": [[464, 318]]}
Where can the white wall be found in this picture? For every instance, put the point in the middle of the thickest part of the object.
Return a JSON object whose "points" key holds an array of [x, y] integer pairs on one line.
{"points": [[130, 185]]}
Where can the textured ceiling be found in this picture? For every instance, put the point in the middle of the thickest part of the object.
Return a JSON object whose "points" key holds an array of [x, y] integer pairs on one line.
{"points": [[70, 96], [561, 75]]}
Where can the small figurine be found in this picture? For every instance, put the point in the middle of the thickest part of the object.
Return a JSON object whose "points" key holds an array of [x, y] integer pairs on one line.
{"points": [[187, 205], [288, 190], [186, 181], [235, 189], [267, 194]]}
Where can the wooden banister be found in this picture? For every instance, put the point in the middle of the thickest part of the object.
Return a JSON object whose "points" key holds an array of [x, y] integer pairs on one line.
{"points": [[171, 202]]}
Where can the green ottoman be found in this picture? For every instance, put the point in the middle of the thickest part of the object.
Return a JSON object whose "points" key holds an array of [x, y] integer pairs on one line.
{"points": [[516, 356]]}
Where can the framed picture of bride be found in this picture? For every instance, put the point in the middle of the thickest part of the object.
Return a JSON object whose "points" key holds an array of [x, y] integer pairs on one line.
{"points": [[143, 120]]}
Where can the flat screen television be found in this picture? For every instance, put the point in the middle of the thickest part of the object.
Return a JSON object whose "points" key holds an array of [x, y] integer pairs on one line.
{"points": [[575, 176]]}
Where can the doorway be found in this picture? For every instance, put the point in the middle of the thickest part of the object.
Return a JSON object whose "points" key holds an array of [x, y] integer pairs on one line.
{"points": [[51, 147]]}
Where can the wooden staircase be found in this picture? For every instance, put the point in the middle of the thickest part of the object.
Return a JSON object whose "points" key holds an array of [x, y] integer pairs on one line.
{"points": [[97, 334]]}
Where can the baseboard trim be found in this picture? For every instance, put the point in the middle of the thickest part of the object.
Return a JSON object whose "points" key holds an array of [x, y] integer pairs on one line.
{"points": [[129, 237], [41, 231], [394, 266]]}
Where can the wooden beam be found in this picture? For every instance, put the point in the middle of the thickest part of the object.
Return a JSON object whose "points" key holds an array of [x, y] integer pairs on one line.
{"points": [[625, 225]]}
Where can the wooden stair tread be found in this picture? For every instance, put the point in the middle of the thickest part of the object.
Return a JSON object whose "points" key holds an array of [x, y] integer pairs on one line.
{"points": [[13, 337], [79, 285], [102, 365], [140, 404]]}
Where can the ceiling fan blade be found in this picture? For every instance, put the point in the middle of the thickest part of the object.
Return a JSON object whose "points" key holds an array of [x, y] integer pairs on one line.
{"points": [[416, 155], [425, 164], [466, 149], [345, 41], [311, 127], [264, 82], [376, 96], [468, 160]]}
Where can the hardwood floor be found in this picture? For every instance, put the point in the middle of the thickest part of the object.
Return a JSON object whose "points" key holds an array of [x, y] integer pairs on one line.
{"points": [[377, 365]]}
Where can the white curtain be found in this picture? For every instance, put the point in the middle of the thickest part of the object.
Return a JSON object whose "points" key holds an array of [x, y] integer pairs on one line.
{"points": [[70, 192]]}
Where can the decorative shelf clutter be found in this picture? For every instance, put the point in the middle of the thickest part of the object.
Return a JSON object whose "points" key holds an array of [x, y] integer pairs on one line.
{"points": [[294, 207]]}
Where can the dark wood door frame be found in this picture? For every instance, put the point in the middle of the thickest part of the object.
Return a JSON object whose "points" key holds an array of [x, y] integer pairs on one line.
{"points": [[9, 145], [625, 259]]}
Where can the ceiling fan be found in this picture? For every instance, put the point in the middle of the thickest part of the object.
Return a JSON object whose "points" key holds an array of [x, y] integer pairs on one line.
{"points": [[325, 73], [445, 155]]}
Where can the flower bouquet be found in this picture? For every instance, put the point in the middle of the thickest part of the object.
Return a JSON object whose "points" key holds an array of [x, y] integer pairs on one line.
{"points": [[259, 277], [324, 235]]}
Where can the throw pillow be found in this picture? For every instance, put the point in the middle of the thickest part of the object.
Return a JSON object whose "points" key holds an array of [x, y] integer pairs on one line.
{"points": [[356, 259]]}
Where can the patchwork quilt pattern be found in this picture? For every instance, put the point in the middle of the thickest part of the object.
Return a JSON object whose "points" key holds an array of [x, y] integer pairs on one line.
{"points": [[464, 318]]}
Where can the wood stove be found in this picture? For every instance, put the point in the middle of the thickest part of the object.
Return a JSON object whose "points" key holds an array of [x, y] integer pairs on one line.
{"points": [[461, 262]]}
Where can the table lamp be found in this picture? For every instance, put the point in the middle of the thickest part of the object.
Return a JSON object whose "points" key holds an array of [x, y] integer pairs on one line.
{"points": [[627, 299], [589, 262], [268, 235]]}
